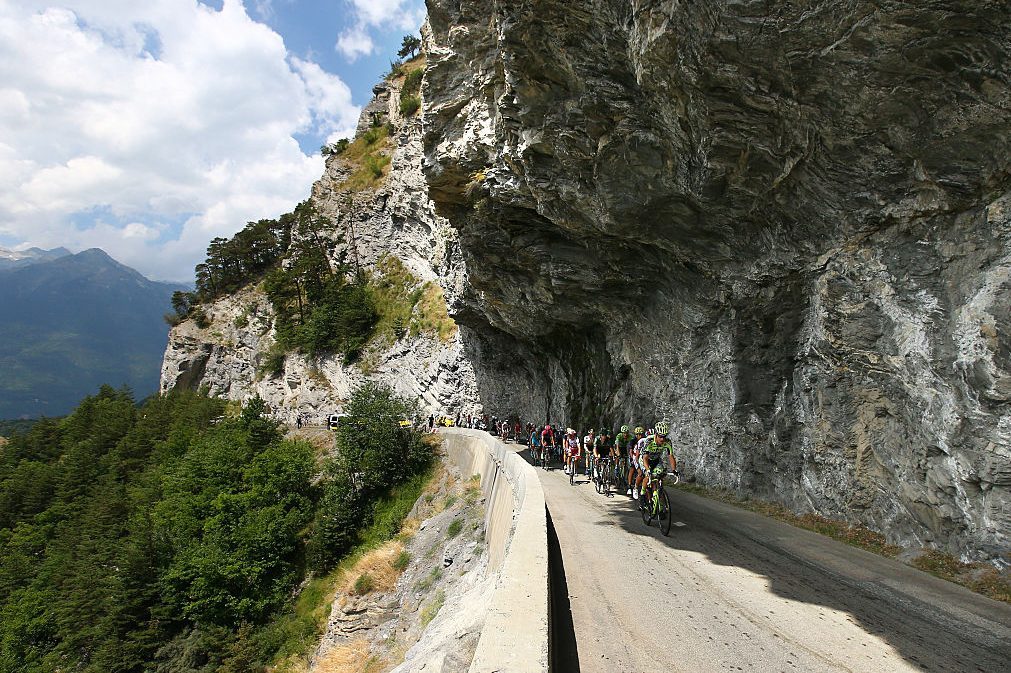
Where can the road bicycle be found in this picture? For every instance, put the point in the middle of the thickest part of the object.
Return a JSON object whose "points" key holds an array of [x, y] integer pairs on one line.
{"points": [[657, 508], [603, 476], [573, 461]]}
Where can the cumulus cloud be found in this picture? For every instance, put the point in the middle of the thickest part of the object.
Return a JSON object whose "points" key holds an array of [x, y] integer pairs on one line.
{"points": [[147, 128], [371, 15]]}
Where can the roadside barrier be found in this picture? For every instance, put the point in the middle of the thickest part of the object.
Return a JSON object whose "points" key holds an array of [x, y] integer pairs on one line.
{"points": [[516, 633]]}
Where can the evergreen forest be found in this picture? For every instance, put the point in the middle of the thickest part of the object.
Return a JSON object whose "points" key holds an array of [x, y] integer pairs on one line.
{"points": [[177, 534]]}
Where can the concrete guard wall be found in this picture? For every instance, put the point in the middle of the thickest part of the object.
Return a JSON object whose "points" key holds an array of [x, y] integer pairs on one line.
{"points": [[515, 634]]}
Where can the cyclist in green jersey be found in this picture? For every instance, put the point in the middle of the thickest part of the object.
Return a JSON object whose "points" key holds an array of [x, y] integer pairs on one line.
{"points": [[620, 450], [650, 459]]}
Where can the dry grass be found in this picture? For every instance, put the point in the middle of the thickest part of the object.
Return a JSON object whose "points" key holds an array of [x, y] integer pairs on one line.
{"points": [[377, 564], [354, 657], [472, 489], [410, 528], [979, 577], [368, 159]]}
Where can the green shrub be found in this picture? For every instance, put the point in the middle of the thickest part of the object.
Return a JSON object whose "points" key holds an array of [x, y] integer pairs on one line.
{"points": [[273, 362], [374, 135], [409, 105], [364, 584], [241, 321], [200, 317], [341, 322], [375, 163], [335, 149], [429, 612], [454, 528], [412, 82], [402, 561], [429, 580]]}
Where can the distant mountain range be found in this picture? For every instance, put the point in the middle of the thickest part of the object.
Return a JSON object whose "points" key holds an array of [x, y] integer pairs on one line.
{"points": [[14, 259], [69, 323]]}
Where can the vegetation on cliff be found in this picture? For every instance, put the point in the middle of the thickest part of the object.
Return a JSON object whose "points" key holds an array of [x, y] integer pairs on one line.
{"points": [[172, 536]]}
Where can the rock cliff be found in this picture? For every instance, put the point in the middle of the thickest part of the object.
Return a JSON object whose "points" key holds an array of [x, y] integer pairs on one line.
{"points": [[394, 220], [785, 227]]}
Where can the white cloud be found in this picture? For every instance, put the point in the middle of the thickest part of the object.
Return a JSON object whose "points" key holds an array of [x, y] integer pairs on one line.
{"points": [[154, 114], [371, 15], [355, 42]]}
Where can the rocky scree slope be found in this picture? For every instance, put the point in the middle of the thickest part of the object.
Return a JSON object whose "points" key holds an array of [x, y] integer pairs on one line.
{"points": [[786, 227], [364, 227]]}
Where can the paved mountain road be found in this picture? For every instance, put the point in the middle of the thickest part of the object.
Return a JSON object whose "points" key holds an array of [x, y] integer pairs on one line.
{"points": [[734, 591]]}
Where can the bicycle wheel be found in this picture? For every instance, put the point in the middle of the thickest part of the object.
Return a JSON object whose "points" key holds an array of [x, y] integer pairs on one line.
{"points": [[646, 509], [663, 512], [572, 474]]}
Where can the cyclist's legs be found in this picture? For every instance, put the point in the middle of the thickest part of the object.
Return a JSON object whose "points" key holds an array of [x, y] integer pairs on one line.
{"points": [[646, 491]]}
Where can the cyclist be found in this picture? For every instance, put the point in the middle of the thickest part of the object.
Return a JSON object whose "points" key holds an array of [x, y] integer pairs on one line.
{"points": [[602, 449], [534, 444], [547, 439], [621, 447], [651, 457], [634, 478], [571, 445], [589, 439]]}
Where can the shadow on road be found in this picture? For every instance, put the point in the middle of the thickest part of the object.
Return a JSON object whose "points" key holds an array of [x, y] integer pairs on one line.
{"points": [[928, 638], [563, 654]]}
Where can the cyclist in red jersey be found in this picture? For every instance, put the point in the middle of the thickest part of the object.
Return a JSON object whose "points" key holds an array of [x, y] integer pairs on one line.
{"points": [[548, 439], [572, 450]]}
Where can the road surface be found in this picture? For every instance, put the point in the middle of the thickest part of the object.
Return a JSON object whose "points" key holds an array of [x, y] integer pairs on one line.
{"points": [[731, 590]]}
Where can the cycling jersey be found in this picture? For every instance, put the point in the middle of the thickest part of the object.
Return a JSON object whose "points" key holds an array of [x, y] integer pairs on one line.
{"points": [[547, 437], [571, 446], [653, 452], [637, 451], [588, 443], [534, 439], [622, 442]]}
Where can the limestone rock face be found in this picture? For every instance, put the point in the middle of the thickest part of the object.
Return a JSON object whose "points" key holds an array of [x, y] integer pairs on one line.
{"points": [[226, 358], [784, 227]]}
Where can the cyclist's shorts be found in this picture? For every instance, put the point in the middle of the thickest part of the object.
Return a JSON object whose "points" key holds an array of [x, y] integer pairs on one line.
{"points": [[650, 460]]}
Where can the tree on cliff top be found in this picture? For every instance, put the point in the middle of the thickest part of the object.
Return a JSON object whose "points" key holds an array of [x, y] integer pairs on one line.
{"points": [[409, 47]]}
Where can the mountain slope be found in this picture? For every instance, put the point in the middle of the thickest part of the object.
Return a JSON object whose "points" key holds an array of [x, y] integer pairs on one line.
{"points": [[72, 324]]}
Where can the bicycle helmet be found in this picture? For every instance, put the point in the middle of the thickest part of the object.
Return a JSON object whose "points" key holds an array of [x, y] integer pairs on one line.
{"points": [[624, 428], [639, 430], [662, 428]]}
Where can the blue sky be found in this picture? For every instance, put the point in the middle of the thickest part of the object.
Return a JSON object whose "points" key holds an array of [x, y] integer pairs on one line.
{"points": [[147, 129]]}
